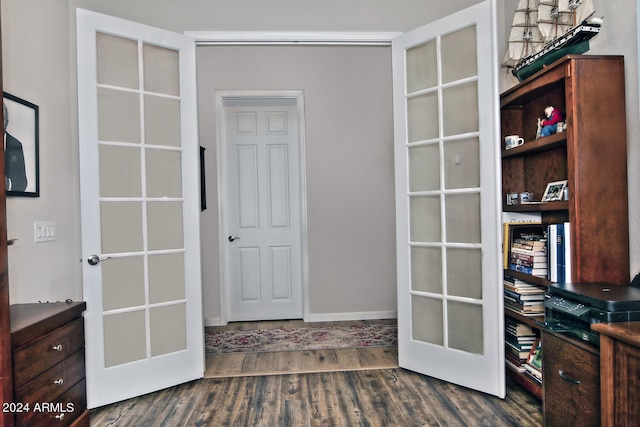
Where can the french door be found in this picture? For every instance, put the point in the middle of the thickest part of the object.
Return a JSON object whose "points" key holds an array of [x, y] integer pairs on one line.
{"points": [[140, 199], [450, 319]]}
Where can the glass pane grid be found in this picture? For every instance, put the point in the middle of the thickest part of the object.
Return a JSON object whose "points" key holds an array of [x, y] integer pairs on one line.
{"points": [[126, 97]]}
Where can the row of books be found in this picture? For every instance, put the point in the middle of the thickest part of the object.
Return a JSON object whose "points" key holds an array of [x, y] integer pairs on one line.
{"points": [[523, 349], [537, 250], [523, 298], [529, 255]]}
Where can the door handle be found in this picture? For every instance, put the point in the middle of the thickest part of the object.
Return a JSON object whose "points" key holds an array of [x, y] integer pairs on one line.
{"points": [[96, 259], [232, 238]]}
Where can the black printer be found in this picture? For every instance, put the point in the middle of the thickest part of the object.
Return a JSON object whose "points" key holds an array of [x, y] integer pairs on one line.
{"points": [[571, 308]]}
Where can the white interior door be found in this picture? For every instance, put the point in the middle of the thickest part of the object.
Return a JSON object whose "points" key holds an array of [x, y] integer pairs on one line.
{"points": [[139, 159], [262, 208], [450, 317]]}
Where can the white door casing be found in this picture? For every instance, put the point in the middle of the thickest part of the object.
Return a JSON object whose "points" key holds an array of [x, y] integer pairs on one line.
{"points": [[262, 211], [450, 311], [140, 207]]}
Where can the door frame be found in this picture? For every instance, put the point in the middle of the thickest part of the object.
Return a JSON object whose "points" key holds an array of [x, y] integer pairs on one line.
{"points": [[223, 249]]}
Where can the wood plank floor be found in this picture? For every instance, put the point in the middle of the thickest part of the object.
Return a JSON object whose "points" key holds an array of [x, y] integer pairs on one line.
{"points": [[296, 362], [387, 397], [375, 396]]}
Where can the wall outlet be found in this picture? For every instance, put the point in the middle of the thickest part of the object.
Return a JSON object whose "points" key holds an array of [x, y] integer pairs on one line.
{"points": [[44, 231]]}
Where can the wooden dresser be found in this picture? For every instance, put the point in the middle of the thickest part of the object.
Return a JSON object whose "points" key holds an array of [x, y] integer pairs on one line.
{"points": [[47, 342], [619, 373]]}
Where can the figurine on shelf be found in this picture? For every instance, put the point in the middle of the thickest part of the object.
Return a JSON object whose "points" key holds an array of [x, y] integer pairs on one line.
{"points": [[553, 123]]}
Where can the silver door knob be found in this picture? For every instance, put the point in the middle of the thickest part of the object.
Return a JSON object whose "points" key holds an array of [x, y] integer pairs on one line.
{"points": [[96, 259], [232, 238]]}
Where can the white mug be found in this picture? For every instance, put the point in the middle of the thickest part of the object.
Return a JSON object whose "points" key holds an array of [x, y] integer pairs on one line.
{"points": [[513, 141]]}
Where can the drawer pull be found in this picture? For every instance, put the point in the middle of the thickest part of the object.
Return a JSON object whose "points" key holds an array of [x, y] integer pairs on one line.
{"points": [[568, 378], [57, 347], [60, 417], [59, 382]]}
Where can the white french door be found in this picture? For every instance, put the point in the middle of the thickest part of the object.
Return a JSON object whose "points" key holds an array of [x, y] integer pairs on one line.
{"points": [[140, 199], [450, 318]]}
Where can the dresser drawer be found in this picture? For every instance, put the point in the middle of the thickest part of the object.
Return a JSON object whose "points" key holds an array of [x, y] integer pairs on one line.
{"points": [[41, 354], [571, 378], [53, 382], [62, 411]]}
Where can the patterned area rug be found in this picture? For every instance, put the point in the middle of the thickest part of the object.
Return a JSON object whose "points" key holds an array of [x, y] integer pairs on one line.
{"points": [[332, 337]]}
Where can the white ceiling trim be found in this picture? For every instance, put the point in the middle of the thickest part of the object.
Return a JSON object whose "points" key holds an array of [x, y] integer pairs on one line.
{"points": [[204, 38]]}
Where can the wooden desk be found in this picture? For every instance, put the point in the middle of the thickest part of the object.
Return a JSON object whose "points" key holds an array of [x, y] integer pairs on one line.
{"points": [[619, 373]]}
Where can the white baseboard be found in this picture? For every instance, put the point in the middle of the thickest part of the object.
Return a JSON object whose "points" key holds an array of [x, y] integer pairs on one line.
{"points": [[365, 315], [213, 321], [327, 317]]}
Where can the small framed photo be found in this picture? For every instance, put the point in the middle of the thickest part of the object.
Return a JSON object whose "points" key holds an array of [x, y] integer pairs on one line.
{"points": [[21, 158], [554, 191]]}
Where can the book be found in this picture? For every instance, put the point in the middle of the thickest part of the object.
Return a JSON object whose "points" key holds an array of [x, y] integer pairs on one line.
{"points": [[515, 296], [533, 271], [534, 359], [559, 247], [567, 252], [510, 219]]}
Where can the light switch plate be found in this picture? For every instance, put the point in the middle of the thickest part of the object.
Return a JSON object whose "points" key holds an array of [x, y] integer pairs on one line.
{"points": [[44, 231]]}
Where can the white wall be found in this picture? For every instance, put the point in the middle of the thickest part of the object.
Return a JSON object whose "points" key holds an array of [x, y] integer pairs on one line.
{"points": [[39, 65]]}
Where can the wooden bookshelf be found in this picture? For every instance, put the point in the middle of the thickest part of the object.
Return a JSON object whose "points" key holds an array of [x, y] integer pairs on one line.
{"points": [[590, 154]]}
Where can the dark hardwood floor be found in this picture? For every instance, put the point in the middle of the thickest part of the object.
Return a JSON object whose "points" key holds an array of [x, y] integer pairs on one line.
{"points": [[346, 387], [386, 397]]}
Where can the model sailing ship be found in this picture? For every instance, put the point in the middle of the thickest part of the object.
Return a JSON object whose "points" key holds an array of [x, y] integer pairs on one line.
{"points": [[545, 31]]}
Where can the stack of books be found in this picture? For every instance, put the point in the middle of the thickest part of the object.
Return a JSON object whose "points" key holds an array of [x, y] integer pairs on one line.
{"points": [[519, 340], [529, 256], [522, 297], [533, 365]]}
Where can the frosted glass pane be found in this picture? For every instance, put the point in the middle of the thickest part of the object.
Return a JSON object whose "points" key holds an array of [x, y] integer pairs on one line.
{"points": [[422, 67], [464, 272], [424, 213], [168, 329], [166, 277], [465, 327], [462, 216], [462, 163], [120, 174], [164, 173], [121, 226], [426, 269], [459, 55], [118, 116], [124, 338], [424, 168], [162, 121], [122, 282], [460, 109], [161, 70], [427, 321], [164, 222], [422, 117], [117, 61]]}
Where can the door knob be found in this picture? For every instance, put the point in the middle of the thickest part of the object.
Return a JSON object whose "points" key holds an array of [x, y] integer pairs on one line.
{"points": [[232, 238], [95, 259]]}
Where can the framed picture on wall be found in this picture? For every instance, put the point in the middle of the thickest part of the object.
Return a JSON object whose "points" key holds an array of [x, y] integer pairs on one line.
{"points": [[21, 157]]}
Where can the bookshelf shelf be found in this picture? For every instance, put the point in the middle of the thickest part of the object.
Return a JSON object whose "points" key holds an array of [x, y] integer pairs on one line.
{"points": [[590, 156], [538, 145], [537, 207]]}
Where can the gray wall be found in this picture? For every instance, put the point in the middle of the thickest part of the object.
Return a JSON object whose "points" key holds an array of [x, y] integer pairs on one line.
{"points": [[349, 144], [39, 65]]}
